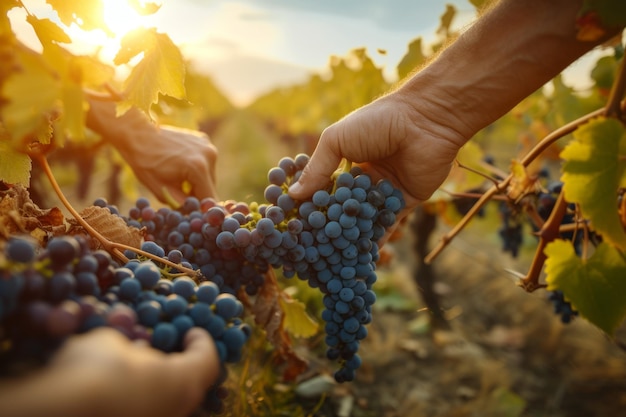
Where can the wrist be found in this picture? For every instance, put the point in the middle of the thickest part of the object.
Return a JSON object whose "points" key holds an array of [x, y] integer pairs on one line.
{"points": [[512, 51], [119, 131]]}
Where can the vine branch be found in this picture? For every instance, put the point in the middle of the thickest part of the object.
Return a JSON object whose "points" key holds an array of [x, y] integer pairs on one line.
{"points": [[114, 248], [549, 232], [533, 154]]}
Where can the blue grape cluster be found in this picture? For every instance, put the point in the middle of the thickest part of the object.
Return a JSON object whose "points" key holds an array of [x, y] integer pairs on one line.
{"points": [[48, 294], [562, 307], [330, 241], [546, 201], [511, 231], [189, 236]]}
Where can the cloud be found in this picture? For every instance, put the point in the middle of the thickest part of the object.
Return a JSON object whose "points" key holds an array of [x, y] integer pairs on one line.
{"points": [[244, 77], [392, 15]]}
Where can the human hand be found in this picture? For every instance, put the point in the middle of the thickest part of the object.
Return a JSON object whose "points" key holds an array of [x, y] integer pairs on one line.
{"points": [[102, 373], [163, 158], [390, 138], [171, 157]]}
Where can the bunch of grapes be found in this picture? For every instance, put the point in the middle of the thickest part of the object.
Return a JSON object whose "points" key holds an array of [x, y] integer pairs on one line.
{"points": [[510, 232], [47, 295], [329, 240], [562, 308], [546, 201], [187, 236]]}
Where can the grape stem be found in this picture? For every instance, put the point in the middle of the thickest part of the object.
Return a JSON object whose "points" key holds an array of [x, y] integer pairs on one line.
{"points": [[475, 171], [549, 231], [454, 194], [618, 90], [345, 166], [114, 248]]}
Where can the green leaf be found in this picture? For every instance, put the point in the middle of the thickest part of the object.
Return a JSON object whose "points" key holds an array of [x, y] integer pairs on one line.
{"points": [[412, 59], [592, 173], [14, 166], [604, 72], [88, 15], [47, 31], [595, 286], [297, 321], [446, 20], [32, 94], [161, 71]]}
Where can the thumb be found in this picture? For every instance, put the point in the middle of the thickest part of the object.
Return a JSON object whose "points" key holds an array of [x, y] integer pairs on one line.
{"points": [[317, 172], [200, 356]]}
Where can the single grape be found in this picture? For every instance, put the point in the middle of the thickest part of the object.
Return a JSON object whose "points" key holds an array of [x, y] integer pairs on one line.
{"points": [[147, 274], [165, 337], [21, 249]]}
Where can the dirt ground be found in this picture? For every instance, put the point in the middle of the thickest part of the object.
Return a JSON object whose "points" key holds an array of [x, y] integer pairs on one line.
{"points": [[506, 354]]}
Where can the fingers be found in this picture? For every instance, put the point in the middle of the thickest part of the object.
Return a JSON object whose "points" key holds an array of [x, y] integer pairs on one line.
{"points": [[317, 172], [200, 356], [172, 196]]}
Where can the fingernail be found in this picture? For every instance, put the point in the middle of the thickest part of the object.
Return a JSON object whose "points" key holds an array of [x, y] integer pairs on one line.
{"points": [[295, 188]]}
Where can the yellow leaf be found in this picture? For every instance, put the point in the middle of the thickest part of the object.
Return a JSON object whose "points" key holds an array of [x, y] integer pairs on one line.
{"points": [[297, 321], [594, 171], [32, 93], [71, 71], [144, 9], [14, 166], [161, 71], [5, 24], [47, 31], [521, 183], [87, 15], [93, 72], [133, 43], [74, 106]]}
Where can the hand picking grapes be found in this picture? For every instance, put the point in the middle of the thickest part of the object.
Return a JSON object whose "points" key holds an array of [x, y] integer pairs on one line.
{"points": [[150, 331]]}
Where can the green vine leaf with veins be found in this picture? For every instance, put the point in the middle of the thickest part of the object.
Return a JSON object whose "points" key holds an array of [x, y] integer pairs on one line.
{"points": [[592, 173], [595, 286]]}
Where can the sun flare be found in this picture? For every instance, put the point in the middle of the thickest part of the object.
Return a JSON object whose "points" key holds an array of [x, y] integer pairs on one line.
{"points": [[120, 17]]}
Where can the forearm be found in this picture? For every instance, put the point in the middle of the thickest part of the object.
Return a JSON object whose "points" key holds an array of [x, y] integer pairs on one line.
{"points": [[49, 393], [510, 52]]}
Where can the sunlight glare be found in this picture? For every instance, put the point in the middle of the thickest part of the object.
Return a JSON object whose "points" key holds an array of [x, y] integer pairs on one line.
{"points": [[120, 17]]}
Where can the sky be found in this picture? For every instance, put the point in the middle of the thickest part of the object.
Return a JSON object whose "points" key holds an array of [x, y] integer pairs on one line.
{"points": [[249, 47]]}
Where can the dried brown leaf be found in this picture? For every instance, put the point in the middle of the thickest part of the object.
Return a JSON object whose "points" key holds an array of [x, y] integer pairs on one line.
{"points": [[112, 227], [18, 214], [522, 183]]}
